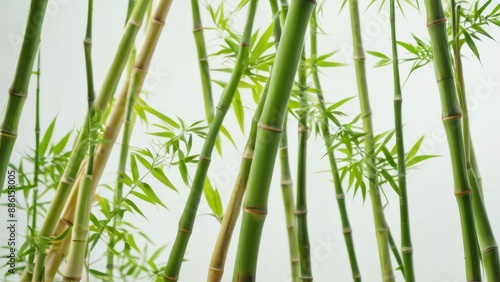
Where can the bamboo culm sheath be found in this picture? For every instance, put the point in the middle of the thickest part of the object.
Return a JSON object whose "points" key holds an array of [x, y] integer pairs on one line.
{"points": [[18, 91], [436, 24], [325, 131], [268, 139], [381, 227], [406, 245], [187, 219]]}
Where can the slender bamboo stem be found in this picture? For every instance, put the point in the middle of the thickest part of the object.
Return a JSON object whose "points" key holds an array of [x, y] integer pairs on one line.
{"points": [[486, 238], [436, 24], [187, 219], [325, 131], [378, 212], [406, 244], [288, 202], [18, 91], [301, 204], [206, 82], [80, 231], [107, 90], [268, 139]]}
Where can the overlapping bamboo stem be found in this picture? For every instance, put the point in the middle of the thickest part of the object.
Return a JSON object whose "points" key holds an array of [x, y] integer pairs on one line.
{"points": [[325, 131], [381, 227], [187, 219], [18, 91], [406, 244], [436, 24], [486, 239], [268, 138]]}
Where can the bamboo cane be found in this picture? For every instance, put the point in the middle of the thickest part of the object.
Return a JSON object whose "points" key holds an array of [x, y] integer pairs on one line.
{"points": [[18, 91], [406, 244], [268, 138], [301, 200], [436, 24], [76, 256], [378, 212], [187, 219], [325, 131], [202, 61], [115, 120], [486, 238]]}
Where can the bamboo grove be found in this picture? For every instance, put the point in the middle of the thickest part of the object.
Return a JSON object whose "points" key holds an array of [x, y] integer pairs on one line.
{"points": [[81, 199]]}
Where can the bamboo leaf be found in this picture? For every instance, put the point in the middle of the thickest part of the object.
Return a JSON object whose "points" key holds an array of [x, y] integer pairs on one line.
{"points": [[413, 161], [472, 45], [238, 110], [415, 148], [46, 138], [213, 199], [160, 175], [149, 192], [59, 147], [134, 168], [390, 180], [134, 207]]}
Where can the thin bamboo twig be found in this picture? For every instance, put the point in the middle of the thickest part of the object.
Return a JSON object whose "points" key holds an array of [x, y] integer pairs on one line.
{"points": [[325, 131], [18, 91], [268, 139], [80, 231], [486, 238], [406, 244], [436, 25], [188, 217], [378, 211], [301, 200], [107, 90]]}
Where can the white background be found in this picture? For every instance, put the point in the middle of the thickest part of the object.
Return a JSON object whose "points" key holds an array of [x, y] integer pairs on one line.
{"points": [[434, 216]]}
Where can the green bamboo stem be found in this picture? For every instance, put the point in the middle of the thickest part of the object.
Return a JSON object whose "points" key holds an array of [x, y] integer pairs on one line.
{"points": [[18, 91], [325, 131], [80, 231], [107, 90], [301, 204], [268, 139], [216, 269], [188, 217], [436, 24], [288, 202], [202, 61], [396, 253], [406, 244], [378, 211], [486, 238]]}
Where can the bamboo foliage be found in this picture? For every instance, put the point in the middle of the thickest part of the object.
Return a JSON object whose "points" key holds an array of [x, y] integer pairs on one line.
{"points": [[436, 24], [268, 138]]}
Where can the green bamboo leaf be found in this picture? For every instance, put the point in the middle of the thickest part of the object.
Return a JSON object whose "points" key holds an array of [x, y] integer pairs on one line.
{"points": [[415, 148], [131, 242], [149, 192], [46, 138], [326, 64], [143, 161], [213, 199], [59, 147], [472, 45], [162, 117], [98, 274], [389, 157], [413, 161], [160, 175], [390, 180], [226, 133], [134, 168], [263, 44], [134, 207], [238, 110]]}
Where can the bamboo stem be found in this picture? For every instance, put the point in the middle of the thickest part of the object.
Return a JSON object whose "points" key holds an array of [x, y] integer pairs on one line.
{"points": [[301, 204], [188, 217], [268, 139], [18, 91], [378, 211], [406, 244], [486, 238], [206, 82], [325, 131], [436, 24]]}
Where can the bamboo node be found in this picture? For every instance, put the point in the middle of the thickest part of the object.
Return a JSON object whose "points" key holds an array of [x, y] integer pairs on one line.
{"points": [[72, 278], [340, 196], [166, 277], [463, 193], [444, 78], [257, 211], [203, 59], [302, 211], [17, 94], [286, 182], [359, 56], [221, 108], [435, 22], [270, 128], [244, 44], [139, 69], [197, 27], [202, 157], [489, 249], [347, 230], [185, 230], [67, 221], [8, 133], [406, 250], [383, 229], [216, 269], [452, 117], [160, 21], [303, 128], [133, 22], [367, 114]]}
